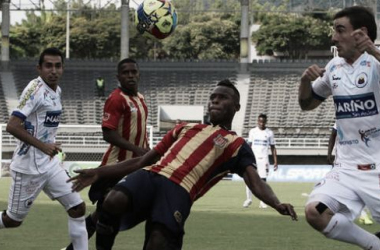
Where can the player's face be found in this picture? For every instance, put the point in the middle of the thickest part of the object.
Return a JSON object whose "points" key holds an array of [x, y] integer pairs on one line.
{"points": [[129, 76], [262, 122], [342, 39], [51, 70], [222, 106]]}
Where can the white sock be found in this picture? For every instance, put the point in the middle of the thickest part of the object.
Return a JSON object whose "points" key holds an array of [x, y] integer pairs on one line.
{"points": [[78, 233], [249, 193], [342, 229], [1, 220]]}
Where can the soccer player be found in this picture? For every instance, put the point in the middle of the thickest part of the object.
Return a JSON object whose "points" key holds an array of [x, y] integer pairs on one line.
{"points": [[261, 138], [364, 217], [35, 166], [124, 127], [352, 79], [189, 160]]}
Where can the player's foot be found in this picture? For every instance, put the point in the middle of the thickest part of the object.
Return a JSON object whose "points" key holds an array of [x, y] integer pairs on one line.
{"points": [[263, 205], [365, 220], [247, 203]]}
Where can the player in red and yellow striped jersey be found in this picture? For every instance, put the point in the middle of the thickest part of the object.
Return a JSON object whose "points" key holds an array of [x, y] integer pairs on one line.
{"points": [[124, 127], [188, 161]]}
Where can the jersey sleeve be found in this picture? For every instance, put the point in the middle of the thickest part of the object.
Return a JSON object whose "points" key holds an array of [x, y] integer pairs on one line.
{"points": [[168, 140], [113, 110], [29, 101], [244, 158]]}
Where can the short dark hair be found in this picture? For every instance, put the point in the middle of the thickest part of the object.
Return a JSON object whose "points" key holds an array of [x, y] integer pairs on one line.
{"points": [[227, 83], [360, 17], [50, 51], [264, 116], [126, 60]]}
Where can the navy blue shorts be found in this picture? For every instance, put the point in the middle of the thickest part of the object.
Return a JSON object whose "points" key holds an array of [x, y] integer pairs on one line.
{"points": [[155, 199]]}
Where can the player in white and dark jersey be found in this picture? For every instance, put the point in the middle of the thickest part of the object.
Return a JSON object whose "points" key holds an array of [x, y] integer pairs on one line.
{"points": [[352, 79], [35, 166], [261, 139]]}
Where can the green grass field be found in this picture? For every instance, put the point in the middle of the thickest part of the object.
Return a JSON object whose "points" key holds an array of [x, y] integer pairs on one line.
{"points": [[217, 222]]}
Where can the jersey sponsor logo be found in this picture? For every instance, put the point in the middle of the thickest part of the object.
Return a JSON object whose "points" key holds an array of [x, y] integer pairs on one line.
{"points": [[132, 106], [106, 116], [335, 67], [365, 63], [220, 141], [366, 135], [355, 106], [52, 118], [336, 78], [361, 80]]}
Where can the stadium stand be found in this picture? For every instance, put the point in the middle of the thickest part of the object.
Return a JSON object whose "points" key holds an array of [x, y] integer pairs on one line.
{"points": [[3, 106], [273, 90]]}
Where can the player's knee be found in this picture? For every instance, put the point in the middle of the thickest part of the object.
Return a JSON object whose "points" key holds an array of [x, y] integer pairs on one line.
{"points": [[159, 239], [77, 211], [116, 201], [313, 214]]}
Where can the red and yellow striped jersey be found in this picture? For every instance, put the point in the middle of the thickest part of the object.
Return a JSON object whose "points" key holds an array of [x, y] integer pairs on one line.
{"points": [[127, 115], [197, 156]]}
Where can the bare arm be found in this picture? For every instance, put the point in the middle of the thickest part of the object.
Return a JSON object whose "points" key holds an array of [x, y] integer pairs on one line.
{"points": [[330, 147], [274, 155], [305, 94], [15, 127], [114, 138], [263, 192], [86, 177]]}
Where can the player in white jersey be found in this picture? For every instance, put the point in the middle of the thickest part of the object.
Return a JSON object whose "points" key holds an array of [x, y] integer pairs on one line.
{"points": [[261, 139], [352, 79], [35, 166]]}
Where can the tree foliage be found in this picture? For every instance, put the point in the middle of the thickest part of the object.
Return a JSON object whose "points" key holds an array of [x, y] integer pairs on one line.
{"points": [[208, 30]]}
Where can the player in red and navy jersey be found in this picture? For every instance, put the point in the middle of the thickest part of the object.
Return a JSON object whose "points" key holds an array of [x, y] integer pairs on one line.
{"points": [[124, 127], [189, 160]]}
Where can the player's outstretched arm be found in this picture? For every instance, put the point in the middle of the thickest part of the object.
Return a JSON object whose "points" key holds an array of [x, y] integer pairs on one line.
{"points": [[87, 177], [263, 192]]}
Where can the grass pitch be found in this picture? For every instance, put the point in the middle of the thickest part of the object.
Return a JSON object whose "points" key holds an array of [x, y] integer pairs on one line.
{"points": [[217, 222]]}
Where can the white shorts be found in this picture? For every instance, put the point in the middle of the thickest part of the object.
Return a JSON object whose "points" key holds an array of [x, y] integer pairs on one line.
{"points": [[352, 189], [25, 189], [262, 164]]}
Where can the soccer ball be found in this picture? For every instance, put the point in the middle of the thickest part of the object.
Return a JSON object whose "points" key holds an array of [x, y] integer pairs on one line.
{"points": [[157, 17]]}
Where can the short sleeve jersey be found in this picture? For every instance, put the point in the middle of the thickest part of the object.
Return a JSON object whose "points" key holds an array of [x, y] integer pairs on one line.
{"points": [[40, 108], [356, 93], [128, 116], [197, 156], [260, 141]]}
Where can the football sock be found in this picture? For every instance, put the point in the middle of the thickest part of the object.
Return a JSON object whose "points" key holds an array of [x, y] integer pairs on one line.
{"points": [[342, 229], [106, 230], [1, 220], [249, 193], [90, 227], [78, 233]]}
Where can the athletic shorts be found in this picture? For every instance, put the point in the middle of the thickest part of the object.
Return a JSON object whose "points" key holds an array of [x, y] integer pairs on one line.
{"points": [[262, 164], [155, 199], [25, 189], [352, 188]]}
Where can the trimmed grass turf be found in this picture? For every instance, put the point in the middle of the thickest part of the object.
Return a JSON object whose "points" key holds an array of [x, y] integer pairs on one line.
{"points": [[218, 221]]}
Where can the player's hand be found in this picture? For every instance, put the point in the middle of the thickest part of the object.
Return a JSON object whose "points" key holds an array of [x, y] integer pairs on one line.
{"points": [[84, 178], [363, 42], [275, 167], [287, 209], [312, 73], [52, 149]]}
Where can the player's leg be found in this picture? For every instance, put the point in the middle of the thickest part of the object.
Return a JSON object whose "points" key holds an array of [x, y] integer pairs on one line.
{"points": [[248, 201], [57, 188], [263, 169], [23, 191], [115, 205], [159, 237], [332, 207]]}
